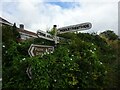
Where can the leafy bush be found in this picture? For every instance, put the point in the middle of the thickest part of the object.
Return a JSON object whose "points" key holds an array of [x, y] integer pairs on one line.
{"points": [[83, 63]]}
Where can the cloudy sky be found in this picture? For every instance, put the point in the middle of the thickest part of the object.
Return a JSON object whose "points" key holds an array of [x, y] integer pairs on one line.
{"points": [[43, 14]]}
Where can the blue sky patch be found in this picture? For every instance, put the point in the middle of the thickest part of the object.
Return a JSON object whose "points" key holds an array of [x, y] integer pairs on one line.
{"points": [[64, 4], [10, 7]]}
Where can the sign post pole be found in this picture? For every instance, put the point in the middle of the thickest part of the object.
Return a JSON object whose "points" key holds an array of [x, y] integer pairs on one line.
{"points": [[55, 34]]}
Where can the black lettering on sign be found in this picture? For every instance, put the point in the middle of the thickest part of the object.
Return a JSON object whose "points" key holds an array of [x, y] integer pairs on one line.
{"points": [[83, 26]]}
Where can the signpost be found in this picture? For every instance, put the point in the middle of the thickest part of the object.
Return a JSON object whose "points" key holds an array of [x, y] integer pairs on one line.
{"points": [[44, 35], [73, 28], [35, 50]]}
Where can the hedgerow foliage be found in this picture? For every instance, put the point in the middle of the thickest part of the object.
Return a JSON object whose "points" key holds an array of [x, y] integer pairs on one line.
{"points": [[83, 62]]}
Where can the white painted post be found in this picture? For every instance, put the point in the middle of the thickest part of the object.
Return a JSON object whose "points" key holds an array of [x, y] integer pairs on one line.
{"points": [[55, 34]]}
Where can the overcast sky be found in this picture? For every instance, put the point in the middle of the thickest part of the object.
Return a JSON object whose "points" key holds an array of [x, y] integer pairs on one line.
{"points": [[41, 14]]}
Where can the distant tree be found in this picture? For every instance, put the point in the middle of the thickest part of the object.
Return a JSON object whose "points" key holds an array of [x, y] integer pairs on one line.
{"points": [[110, 35], [9, 33], [15, 33], [6, 34]]}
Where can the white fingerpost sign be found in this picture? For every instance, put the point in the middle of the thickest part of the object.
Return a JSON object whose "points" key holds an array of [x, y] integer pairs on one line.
{"points": [[73, 28], [35, 50]]}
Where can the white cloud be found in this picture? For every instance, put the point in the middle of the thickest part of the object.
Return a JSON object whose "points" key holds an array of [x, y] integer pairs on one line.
{"points": [[37, 14]]}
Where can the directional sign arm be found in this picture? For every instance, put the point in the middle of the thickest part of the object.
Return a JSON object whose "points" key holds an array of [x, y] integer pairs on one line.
{"points": [[39, 49], [73, 28]]}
